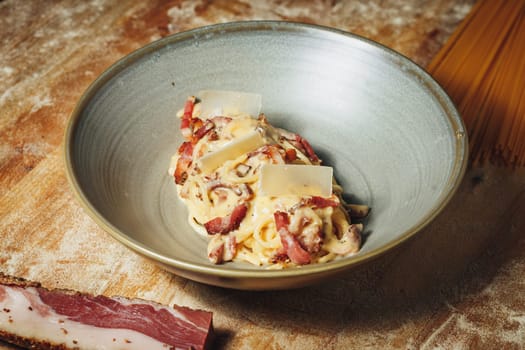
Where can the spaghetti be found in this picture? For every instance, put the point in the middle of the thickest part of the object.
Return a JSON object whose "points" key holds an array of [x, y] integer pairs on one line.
{"points": [[483, 70], [218, 171]]}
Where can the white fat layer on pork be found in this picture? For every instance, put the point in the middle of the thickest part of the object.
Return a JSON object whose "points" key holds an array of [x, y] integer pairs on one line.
{"points": [[19, 316]]}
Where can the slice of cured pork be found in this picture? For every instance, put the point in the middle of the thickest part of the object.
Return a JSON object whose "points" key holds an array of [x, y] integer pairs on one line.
{"points": [[38, 318]]}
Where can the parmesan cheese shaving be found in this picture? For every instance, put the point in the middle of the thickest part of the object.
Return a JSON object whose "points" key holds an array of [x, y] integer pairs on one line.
{"points": [[219, 103], [231, 150], [296, 179]]}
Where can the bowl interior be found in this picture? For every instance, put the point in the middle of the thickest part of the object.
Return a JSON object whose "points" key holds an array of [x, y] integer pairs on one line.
{"points": [[385, 126]]}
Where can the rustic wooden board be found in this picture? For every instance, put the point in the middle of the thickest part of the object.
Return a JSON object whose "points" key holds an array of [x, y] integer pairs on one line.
{"points": [[458, 283]]}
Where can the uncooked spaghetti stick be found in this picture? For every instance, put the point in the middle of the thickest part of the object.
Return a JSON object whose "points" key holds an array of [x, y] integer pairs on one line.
{"points": [[481, 68]]}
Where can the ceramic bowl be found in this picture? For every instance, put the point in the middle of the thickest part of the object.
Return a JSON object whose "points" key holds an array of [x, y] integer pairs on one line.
{"points": [[394, 138]]}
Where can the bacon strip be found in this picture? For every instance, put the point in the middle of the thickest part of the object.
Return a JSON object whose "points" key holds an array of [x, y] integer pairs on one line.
{"points": [[291, 245], [321, 202], [271, 152], [301, 144], [226, 224], [184, 162], [222, 248], [40, 318], [186, 122], [216, 250], [290, 155], [203, 130], [308, 149]]}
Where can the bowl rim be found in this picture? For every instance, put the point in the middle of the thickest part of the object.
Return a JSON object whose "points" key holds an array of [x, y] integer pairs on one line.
{"points": [[453, 117]]}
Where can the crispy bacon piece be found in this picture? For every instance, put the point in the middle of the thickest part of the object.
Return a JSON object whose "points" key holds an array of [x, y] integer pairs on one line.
{"points": [[311, 241], [291, 155], [222, 248], [211, 127], [308, 149], [196, 124], [281, 220], [321, 202], [186, 123], [228, 223], [202, 131], [216, 250], [38, 318], [184, 162], [307, 231], [301, 144], [291, 245], [271, 152]]}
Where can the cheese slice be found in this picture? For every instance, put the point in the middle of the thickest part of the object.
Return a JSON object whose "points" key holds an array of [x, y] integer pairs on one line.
{"points": [[296, 179], [222, 102], [231, 150]]}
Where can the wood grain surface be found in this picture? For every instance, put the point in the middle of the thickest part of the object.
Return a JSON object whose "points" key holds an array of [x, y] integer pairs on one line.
{"points": [[458, 284]]}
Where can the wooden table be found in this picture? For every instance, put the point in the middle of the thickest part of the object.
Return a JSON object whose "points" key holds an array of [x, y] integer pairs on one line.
{"points": [[458, 284]]}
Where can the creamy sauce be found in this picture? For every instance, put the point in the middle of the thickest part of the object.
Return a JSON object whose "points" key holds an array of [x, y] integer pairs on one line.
{"points": [[225, 174]]}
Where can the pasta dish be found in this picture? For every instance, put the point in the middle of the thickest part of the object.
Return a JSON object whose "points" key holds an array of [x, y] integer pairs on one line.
{"points": [[259, 193]]}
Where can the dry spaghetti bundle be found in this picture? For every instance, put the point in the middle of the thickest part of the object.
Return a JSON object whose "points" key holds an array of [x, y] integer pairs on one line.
{"points": [[482, 68]]}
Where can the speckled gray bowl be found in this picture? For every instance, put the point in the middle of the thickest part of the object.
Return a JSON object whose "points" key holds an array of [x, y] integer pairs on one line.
{"points": [[393, 136]]}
